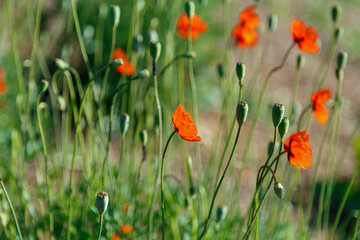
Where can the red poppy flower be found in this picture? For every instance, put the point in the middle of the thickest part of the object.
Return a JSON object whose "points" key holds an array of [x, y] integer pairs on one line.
{"points": [[116, 237], [127, 68], [126, 229], [304, 37], [3, 87], [245, 30], [298, 149], [184, 125], [196, 25], [319, 110]]}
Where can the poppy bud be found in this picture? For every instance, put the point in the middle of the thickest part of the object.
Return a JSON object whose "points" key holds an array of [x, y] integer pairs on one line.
{"points": [[115, 15], [284, 127], [338, 33], [143, 137], [189, 55], [116, 63], [61, 64], [61, 101], [241, 112], [137, 42], [279, 190], [142, 74], [124, 123], [102, 201], [300, 61], [221, 70], [155, 50], [44, 85], [342, 58], [240, 71], [192, 191], [273, 22], [190, 9], [278, 111], [335, 14], [221, 212], [339, 74]]}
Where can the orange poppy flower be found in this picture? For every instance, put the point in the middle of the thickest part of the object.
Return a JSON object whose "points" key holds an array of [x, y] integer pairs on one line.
{"points": [[298, 149], [319, 110], [196, 25], [3, 87], [127, 68], [304, 37], [116, 237], [245, 30], [184, 125], [126, 229]]}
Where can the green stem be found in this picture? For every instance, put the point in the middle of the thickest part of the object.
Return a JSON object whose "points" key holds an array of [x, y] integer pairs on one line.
{"points": [[307, 108], [12, 209], [356, 226], [100, 227], [162, 203], [294, 92], [219, 184]]}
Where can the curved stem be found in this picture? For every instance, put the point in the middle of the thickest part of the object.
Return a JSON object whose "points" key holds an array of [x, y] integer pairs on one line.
{"points": [[100, 227], [162, 204], [308, 107], [12, 209], [219, 184]]}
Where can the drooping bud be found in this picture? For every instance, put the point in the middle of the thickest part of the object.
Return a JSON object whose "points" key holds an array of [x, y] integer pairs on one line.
{"points": [[221, 70], [241, 112], [278, 111], [335, 14], [115, 15], [44, 85], [240, 71], [61, 64], [342, 58], [142, 74], [273, 22], [284, 127], [155, 50], [338, 33], [279, 190], [102, 201], [221, 213], [190, 9], [61, 101], [300, 61], [143, 137], [339, 74], [116, 63], [189, 55], [124, 123]]}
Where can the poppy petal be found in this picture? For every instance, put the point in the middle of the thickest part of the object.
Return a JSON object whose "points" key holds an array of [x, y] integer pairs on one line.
{"points": [[320, 113]]}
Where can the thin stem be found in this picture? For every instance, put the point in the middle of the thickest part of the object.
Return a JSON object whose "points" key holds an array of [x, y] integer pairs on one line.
{"points": [[308, 107], [12, 209], [219, 184], [162, 186], [100, 227], [294, 92], [173, 61], [356, 226]]}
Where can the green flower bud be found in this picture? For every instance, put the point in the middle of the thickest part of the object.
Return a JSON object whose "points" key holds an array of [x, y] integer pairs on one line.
{"points": [[335, 14], [44, 85], [102, 201], [61, 64], [143, 137], [116, 63], [190, 9], [124, 123], [339, 74], [278, 111], [342, 58], [279, 190], [273, 22], [240, 71], [155, 50], [61, 101], [241, 112], [221, 70], [142, 74], [221, 213], [192, 191], [189, 55], [338, 33], [115, 15], [284, 127], [300, 61]]}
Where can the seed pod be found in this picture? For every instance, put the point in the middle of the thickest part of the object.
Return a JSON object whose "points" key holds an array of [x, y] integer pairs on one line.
{"points": [[240, 71], [335, 14], [339, 74], [338, 33], [61, 64], [342, 58], [143, 137], [284, 127], [300, 61], [115, 15], [155, 50], [124, 123], [273, 22], [221, 213], [116, 63], [192, 191], [279, 190], [221, 70], [190, 9], [142, 74], [278, 111], [102, 201], [241, 112]]}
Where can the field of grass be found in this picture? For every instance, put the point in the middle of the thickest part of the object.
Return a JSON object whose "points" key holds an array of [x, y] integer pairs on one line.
{"points": [[156, 119]]}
